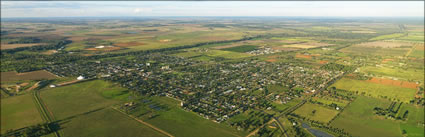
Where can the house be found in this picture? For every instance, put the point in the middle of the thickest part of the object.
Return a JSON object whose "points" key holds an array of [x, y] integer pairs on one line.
{"points": [[80, 78]]}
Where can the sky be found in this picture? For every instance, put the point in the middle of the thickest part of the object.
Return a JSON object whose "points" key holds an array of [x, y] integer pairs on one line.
{"points": [[212, 8]]}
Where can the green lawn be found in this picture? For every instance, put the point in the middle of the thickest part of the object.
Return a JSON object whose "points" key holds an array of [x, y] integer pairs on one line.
{"points": [[82, 97], [375, 90], [358, 119], [18, 112], [106, 123], [321, 114]]}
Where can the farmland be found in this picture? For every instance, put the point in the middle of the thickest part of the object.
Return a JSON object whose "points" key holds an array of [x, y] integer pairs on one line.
{"points": [[18, 112], [171, 118], [376, 90], [71, 100], [123, 125], [316, 112], [34, 75], [212, 77]]}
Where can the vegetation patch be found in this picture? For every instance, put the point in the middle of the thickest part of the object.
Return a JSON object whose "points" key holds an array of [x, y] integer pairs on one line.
{"points": [[242, 49], [18, 112], [83, 97], [316, 112], [33, 75], [376, 90]]}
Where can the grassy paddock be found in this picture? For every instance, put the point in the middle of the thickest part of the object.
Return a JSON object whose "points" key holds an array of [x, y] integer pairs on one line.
{"points": [[82, 97], [316, 112], [18, 112], [106, 123], [358, 119], [179, 122], [376, 90]]}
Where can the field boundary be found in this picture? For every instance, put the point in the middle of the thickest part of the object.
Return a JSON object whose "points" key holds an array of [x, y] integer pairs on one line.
{"points": [[145, 123]]}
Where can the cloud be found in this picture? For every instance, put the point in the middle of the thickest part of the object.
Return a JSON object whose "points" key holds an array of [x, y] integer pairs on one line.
{"points": [[210, 8]]}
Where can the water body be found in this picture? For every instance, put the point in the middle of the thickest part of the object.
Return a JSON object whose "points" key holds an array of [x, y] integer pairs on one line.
{"points": [[315, 132]]}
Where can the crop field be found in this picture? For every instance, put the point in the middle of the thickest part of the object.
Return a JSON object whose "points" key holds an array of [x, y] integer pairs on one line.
{"points": [[384, 44], [376, 90], [329, 100], [405, 74], [389, 36], [376, 51], [33, 75], [397, 83], [12, 46], [244, 48], [79, 98], [176, 39], [359, 119], [106, 123], [413, 125], [316, 112], [413, 37], [179, 122], [18, 112], [211, 53]]}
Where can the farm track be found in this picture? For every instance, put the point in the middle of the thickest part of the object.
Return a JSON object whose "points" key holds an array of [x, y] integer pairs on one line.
{"points": [[45, 113], [145, 123], [33, 86]]}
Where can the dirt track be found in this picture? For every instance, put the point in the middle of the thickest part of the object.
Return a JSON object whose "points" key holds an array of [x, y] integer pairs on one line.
{"points": [[147, 124]]}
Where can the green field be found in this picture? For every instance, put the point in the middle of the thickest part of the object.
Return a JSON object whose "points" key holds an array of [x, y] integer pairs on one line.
{"points": [[179, 122], [376, 51], [358, 119], [413, 125], [106, 123], [329, 100], [210, 53], [82, 97], [406, 74], [375, 90], [18, 112], [242, 49], [316, 112], [389, 36]]}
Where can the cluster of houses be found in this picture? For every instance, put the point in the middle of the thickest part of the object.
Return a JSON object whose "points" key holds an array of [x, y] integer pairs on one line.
{"points": [[215, 92]]}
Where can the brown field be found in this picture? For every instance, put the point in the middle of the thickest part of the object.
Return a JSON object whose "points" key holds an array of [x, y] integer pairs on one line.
{"points": [[398, 83], [12, 46], [307, 45], [303, 56], [383, 44], [129, 44], [271, 60], [420, 47], [386, 60], [323, 62], [33, 75]]}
